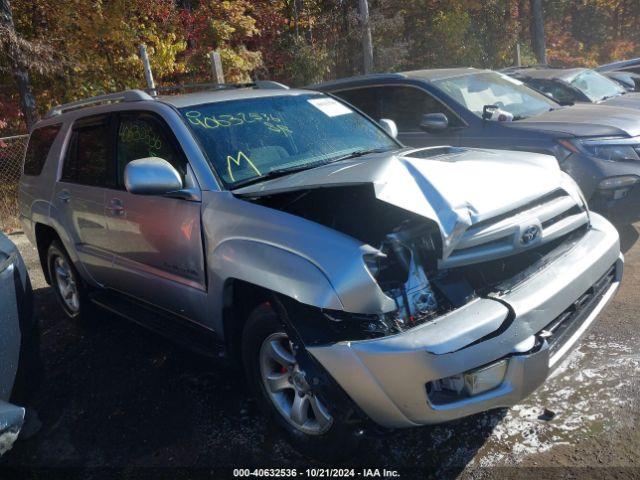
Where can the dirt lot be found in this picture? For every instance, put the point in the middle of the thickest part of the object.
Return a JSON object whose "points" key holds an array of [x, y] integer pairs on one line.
{"points": [[119, 400]]}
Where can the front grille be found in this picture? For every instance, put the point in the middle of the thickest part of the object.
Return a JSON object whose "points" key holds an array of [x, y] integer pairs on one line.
{"points": [[564, 325], [553, 217]]}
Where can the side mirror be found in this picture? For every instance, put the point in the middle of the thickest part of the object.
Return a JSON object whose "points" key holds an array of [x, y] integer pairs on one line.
{"points": [[151, 176], [389, 126], [434, 122]]}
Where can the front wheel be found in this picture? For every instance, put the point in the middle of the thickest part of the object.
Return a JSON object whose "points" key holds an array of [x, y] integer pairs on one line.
{"points": [[282, 389]]}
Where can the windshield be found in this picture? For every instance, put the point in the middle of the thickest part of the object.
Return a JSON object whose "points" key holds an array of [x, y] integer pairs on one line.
{"points": [[595, 86], [248, 139], [491, 88]]}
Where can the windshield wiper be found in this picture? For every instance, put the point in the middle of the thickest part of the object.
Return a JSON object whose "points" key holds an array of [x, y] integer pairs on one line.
{"points": [[278, 172], [281, 172], [357, 153]]}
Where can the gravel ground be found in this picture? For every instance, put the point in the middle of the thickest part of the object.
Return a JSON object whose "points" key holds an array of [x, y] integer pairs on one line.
{"points": [[118, 400]]}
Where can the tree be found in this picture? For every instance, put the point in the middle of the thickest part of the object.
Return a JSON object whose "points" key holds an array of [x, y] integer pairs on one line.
{"points": [[367, 42], [538, 40], [12, 46]]}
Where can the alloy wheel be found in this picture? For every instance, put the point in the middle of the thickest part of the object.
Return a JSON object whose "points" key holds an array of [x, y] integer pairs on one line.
{"points": [[287, 387], [66, 283]]}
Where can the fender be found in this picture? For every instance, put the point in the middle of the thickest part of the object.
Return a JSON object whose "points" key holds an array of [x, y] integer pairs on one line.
{"points": [[272, 268]]}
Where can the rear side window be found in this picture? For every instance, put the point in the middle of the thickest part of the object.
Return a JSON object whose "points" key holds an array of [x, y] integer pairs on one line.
{"points": [[40, 143], [89, 153]]}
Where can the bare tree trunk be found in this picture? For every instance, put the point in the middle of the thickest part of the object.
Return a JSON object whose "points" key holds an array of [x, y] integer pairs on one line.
{"points": [[538, 40], [367, 41], [18, 68]]}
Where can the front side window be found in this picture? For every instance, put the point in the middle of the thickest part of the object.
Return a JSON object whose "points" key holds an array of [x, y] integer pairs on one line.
{"points": [[554, 89], [88, 154], [407, 105], [595, 86], [252, 139], [475, 91], [365, 99], [142, 135], [40, 143]]}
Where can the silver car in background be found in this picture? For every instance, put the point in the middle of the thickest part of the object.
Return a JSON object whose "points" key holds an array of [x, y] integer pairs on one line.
{"points": [[357, 281], [16, 332]]}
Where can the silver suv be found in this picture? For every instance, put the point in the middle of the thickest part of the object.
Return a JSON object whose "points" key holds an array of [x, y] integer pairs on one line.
{"points": [[357, 282]]}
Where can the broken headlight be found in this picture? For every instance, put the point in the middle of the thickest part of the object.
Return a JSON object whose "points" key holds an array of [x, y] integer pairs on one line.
{"points": [[400, 272], [351, 326], [323, 326]]}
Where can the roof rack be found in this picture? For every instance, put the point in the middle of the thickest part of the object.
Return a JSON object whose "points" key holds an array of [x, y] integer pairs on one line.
{"points": [[261, 84], [140, 95], [125, 96]]}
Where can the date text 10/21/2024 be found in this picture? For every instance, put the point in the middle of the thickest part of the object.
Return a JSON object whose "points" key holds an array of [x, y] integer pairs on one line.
{"points": [[316, 473]]}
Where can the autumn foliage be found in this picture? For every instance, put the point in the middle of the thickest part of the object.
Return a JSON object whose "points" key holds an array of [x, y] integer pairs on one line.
{"points": [[91, 46]]}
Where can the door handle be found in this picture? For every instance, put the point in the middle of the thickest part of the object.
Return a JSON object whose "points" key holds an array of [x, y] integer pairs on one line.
{"points": [[64, 196], [116, 207]]}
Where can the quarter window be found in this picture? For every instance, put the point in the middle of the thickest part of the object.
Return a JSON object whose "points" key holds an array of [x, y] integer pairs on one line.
{"points": [[40, 143], [141, 136]]}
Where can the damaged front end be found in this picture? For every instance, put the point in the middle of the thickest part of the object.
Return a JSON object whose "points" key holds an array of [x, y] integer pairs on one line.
{"points": [[487, 280], [408, 262]]}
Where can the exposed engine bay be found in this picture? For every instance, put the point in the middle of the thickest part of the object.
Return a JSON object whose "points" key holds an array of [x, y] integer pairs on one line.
{"points": [[408, 248]]}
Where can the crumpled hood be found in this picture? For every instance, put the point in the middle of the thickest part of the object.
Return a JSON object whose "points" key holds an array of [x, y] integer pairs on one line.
{"points": [[585, 120], [453, 187]]}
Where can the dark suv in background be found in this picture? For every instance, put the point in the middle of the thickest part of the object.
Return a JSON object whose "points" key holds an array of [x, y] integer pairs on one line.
{"points": [[576, 85], [597, 145]]}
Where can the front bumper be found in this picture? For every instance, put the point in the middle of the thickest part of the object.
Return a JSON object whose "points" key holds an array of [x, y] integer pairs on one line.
{"points": [[589, 172], [388, 378], [623, 208]]}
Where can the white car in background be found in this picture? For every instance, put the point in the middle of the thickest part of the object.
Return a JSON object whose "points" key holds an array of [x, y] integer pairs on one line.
{"points": [[19, 343]]}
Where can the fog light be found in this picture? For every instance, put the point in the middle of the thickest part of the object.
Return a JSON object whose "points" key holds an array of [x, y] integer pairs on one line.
{"points": [[473, 382], [618, 182], [485, 378]]}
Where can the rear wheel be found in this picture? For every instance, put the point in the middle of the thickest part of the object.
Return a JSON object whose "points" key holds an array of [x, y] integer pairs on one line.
{"points": [[71, 291], [284, 393]]}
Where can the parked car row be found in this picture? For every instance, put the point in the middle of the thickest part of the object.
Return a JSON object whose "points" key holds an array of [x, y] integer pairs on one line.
{"points": [[413, 248], [577, 85], [467, 107]]}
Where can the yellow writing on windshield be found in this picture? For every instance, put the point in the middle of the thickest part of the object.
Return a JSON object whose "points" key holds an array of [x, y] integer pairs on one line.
{"points": [[236, 161], [210, 122]]}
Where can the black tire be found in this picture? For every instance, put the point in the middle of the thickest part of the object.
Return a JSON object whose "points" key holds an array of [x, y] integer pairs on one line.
{"points": [[85, 308], [336, 443]]}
